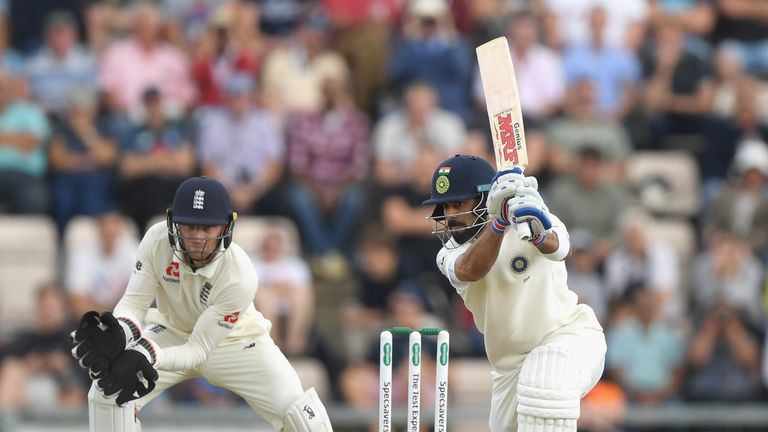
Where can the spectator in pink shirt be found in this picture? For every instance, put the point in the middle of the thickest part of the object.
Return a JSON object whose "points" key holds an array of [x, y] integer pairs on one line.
{"points": [[143, 61], [539, 71]]}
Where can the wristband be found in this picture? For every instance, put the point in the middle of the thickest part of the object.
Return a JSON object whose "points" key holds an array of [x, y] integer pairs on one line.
{"points": [[498, 226], [131, 330], [563, 244], [148, 348], [539, 239]]}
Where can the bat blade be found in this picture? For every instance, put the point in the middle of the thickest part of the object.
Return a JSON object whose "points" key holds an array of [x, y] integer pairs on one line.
{"points": [[502, 101]]}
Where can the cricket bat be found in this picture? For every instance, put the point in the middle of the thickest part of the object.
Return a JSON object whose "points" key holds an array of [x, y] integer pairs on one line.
{"points": [[502, 101]]}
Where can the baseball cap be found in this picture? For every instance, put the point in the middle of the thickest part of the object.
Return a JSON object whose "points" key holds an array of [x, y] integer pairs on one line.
{"points": [[201, 201], [427, 8], [752, 154]]}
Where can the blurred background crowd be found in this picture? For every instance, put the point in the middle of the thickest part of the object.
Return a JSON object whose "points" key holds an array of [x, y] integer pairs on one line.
{"points": [[646, 123]]}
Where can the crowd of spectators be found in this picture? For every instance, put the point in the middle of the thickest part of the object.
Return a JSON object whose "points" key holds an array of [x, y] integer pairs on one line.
{"points": [[334, 113]]}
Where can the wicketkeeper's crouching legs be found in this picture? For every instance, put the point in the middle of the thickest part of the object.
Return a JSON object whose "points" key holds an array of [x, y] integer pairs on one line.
{"points": [[256, 370], [252, 367]]}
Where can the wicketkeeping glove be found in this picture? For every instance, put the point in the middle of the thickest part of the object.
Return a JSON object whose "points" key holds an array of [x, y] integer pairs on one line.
{"points": [[99, 339], [131, 374]]}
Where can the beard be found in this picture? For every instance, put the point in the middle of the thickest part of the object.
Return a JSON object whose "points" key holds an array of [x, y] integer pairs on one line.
{"points": [[462, 234]]}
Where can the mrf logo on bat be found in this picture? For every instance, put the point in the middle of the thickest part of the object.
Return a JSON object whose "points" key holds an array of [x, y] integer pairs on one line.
{"points": [[510, 135], [502, 100]]}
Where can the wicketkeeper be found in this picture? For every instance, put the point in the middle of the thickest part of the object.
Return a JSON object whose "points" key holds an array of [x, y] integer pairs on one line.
{"points": [[204, 324]]}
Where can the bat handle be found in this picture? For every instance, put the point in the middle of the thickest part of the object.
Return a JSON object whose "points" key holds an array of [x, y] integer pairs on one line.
{"points": [[523, 231]]}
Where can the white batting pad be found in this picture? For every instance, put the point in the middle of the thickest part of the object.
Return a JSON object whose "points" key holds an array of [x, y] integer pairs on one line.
{"points": [[534, 424], [548, 391], [307, 414], [105, 416]]}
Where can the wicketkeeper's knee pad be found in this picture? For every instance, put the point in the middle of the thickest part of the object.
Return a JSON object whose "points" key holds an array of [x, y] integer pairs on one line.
{"points": [[548, 391], [307, 414], [105, 416]]}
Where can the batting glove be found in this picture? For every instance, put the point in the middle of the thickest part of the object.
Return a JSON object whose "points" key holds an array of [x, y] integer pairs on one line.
{"points": [[505, 185], [529, 210]]}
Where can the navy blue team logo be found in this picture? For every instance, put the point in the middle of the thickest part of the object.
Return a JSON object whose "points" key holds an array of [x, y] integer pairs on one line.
{"points": [[205, 291], [519, 264]]}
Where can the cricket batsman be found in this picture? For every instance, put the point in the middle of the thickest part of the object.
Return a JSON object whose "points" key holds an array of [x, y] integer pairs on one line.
{"points": [[546, 351], [204, 324]]}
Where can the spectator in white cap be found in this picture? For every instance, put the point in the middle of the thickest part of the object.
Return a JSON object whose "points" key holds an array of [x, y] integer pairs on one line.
{"points": [[742, 205]]}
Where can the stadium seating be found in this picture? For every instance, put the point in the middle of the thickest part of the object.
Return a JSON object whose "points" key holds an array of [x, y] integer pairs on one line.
{"points": [[84, 229], [249, 231], [665, 182], [28, 259]]}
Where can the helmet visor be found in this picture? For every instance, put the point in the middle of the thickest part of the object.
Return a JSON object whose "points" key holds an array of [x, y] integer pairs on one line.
{"points": [[199, 250], [454, 235]]}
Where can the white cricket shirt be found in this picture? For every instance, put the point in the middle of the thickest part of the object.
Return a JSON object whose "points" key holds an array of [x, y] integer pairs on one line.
{"points": [[523, 299], [211, 304]]}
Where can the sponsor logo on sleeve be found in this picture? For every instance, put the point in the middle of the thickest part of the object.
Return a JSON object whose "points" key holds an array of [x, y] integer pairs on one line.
{"points": [[138, 265], [172, 272], [229, 320]]}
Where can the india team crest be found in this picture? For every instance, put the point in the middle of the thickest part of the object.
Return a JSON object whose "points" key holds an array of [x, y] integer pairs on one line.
{"points": [[519, 264], [442, 184]]}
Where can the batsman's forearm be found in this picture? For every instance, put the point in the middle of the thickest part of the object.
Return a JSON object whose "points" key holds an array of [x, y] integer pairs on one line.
{"points": [[475, 263]]}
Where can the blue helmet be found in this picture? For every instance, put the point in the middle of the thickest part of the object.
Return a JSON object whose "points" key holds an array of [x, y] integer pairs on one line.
{"points": [[200, 201], [460, 178]]}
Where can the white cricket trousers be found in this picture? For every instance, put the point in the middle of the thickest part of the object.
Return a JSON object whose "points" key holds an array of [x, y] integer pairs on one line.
{"points": [[586, 347], [252, 367]]}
